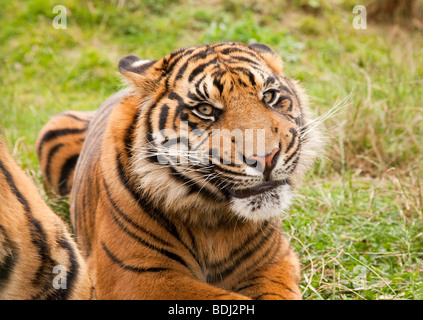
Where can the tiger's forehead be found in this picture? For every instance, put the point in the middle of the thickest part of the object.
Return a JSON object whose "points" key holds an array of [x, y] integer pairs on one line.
{"points": [[204, 51], [218, 69]]}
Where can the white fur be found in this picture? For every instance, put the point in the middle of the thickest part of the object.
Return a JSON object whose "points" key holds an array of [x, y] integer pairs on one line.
{"points": [[139, 63], [269, 206], [251, 171]]}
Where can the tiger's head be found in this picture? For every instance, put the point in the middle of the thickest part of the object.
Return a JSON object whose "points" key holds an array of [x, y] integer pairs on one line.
{"points": [[220, 133]]}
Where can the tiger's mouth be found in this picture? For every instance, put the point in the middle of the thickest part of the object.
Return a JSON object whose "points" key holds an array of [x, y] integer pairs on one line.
{"points": [[256, 190]]}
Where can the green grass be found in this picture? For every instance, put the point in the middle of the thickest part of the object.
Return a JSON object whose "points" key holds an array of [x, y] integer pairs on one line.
{"points": [[357, 224]]}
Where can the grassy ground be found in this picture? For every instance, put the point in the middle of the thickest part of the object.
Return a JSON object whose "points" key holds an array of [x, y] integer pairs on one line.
{"points": [[357, 224]]}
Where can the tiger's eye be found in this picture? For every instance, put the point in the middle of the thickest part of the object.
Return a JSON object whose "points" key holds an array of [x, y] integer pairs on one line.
{"points": [[268, 96], [205, 109]]}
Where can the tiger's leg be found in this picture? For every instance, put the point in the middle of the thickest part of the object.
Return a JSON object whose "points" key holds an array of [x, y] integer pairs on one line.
{"points": [[38, 257], [117, 279], [58, 147], [276, 281]]}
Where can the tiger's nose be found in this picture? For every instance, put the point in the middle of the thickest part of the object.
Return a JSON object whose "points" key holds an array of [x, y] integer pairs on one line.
{"points": [[266, 163]]}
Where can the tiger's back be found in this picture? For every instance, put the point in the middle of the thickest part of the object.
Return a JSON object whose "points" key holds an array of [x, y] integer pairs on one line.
{"points": [[58, 147]]}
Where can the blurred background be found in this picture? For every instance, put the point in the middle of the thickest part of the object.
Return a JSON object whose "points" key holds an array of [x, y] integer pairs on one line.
{"points": [[357, 224]]}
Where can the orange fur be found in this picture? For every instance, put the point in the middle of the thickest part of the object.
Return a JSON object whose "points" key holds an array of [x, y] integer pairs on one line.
{"points": [[33, 240], [169, 231], [60, 142]]}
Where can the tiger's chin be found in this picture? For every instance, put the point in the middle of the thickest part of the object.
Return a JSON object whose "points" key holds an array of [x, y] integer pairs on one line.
{"points": [[266, 201]]}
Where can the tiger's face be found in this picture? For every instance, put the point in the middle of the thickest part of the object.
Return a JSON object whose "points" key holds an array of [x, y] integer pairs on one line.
{"points": [[220, 129]]}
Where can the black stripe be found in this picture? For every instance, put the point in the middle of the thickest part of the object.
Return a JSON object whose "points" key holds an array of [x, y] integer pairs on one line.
{"points": [[218, 85], [200, 68], [194, 245], [195, 96], [246, 287], [65, 172], [170, 67], [130, 221], [251, 78], [145, 203], [129, 133], [245, 244], [140, 240], [282, 284], [173, 141], [91, 146], [192, 125], [291, 143], [174, 96], [268, 279], [204, 140], [299, 122], [179, 108], [244, 59], [235, 263], [289, 117], [74, 117], [202, 55], [206, 92], [268, 294], [181, 54], [214, 153], [219, 168], [197, 87], [9, 262], [127, 267], [193, 186], [281, 99], [270, 80], [71, 274], [242, 83], [293, 154], [231, 50], [282, 87], [290, 85], [14, 189], [248, 73], [50, 155], [271, 259], [292, 166], [38, 235], [53, 134], [164, 111]]}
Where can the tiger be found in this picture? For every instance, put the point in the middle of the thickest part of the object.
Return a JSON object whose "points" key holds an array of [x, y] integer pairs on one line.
{"points": [[39, 259], [184, 174], [64, 152]]}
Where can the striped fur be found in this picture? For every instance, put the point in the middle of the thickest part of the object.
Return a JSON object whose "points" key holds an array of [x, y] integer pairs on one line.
{"points": [[189, 230], [33, 241], [60, 142]]}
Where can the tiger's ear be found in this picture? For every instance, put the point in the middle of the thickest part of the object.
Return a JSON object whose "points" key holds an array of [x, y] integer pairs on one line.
{"points": [[140, 73], [271, 57]]}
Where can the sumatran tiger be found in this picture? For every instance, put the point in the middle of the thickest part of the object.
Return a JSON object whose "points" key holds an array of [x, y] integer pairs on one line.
{"points": [[38, 257], [183, 176]]}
